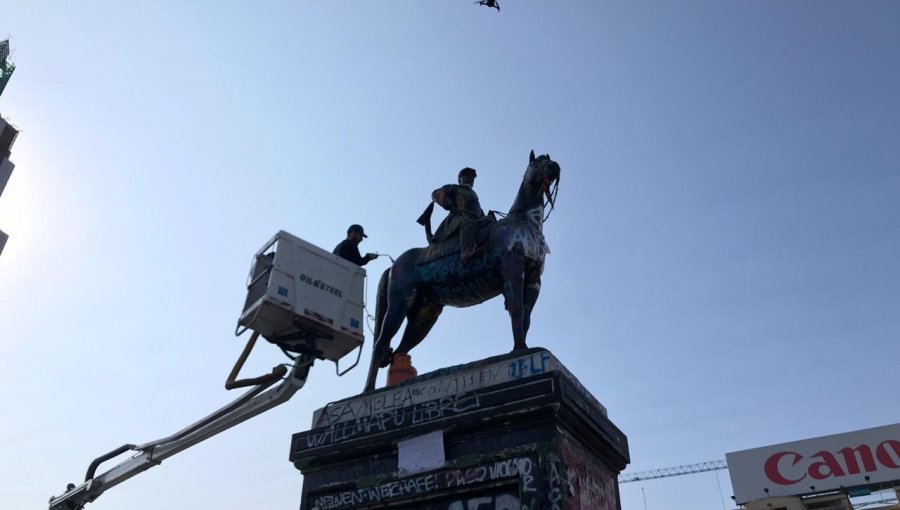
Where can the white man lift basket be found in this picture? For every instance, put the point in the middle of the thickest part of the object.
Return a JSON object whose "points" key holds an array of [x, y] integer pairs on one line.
{"points": [[305, 300]]}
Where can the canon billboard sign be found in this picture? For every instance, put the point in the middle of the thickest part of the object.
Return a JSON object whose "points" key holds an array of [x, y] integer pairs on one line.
{"points": [[816, 465]]}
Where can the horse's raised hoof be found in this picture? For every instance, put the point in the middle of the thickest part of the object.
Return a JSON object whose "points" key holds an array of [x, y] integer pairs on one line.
{"points": [[385, 360]]}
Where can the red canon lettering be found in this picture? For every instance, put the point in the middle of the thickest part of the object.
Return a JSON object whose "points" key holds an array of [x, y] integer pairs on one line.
{"points": [[825, 464], [775, 475], [850, 459], [884, 454], [827, 467]]}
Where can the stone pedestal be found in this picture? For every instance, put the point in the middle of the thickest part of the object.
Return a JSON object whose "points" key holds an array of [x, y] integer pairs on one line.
{"points": [[511, 432]]}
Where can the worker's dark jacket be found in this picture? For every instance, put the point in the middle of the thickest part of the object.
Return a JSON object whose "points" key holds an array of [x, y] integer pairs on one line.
{"points": [[348, 250], [462, 202]]}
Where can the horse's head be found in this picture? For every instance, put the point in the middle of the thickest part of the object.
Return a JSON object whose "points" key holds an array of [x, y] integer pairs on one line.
{"points": [[543, 173], [541, 181]]}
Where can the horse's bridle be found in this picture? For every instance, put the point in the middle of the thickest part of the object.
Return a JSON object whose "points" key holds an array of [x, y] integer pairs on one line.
{"points": [[545, 184], [545, 188]]}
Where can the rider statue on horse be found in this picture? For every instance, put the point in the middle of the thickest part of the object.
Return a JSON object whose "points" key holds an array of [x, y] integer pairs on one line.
{"points": [[509, 261], [465, 214]]}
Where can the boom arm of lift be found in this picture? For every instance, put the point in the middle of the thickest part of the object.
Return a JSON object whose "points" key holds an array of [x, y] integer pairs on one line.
{"points": [[257, 400]]}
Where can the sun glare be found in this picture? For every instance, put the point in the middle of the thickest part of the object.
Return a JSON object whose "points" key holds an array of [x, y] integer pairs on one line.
{"points": [[24, 209]]}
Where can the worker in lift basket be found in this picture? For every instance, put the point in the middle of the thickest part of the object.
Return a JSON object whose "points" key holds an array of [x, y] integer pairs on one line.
{"points": [[348, 249]]}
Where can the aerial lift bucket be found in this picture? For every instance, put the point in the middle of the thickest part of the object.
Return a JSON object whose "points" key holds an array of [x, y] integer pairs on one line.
{"points": [[305, 300]]}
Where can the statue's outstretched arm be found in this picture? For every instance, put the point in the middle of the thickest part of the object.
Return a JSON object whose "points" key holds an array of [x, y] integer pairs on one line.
{"points": [[445, 197]]}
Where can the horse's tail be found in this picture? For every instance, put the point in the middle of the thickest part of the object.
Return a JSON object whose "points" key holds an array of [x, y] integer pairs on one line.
{"points": [[381, 300]]}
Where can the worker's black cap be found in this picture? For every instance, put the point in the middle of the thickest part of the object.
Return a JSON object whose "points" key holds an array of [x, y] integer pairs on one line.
{"points": [[467, 171], [357, 228]]}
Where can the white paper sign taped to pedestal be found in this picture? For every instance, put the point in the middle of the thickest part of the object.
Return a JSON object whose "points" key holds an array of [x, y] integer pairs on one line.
{"points": [[420, 453]]}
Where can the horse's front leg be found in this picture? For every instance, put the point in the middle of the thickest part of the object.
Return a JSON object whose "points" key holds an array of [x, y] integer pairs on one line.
{"points": [[513, 292], [419, 321], [388, 327], [532, 290]]}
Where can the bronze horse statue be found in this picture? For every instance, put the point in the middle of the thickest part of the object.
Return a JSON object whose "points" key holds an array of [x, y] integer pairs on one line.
{"points": [[423, 281]]}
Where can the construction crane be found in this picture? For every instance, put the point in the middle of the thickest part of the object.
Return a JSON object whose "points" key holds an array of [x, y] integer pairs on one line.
{"points": [[716, 465], [686, 469]]}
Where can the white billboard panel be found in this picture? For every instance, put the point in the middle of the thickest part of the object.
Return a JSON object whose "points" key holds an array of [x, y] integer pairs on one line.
{"points": [[816, 465]]}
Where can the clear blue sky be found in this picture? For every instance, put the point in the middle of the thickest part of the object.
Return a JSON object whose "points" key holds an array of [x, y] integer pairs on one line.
{"points": [[724, 272]]}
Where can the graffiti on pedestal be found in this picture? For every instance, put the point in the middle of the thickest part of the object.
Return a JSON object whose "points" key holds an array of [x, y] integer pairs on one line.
{"points": [[589, 484], [392, 419], [520, 471], [491, 502], [442, 383]]}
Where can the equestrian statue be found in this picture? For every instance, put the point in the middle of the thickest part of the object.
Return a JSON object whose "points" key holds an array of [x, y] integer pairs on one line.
{"points": [[509, 259]]}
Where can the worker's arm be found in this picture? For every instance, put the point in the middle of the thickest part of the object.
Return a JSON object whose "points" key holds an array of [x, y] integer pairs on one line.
{"points": [[349, 251]]}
